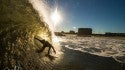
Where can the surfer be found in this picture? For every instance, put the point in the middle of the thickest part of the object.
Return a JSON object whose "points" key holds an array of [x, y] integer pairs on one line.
{"points": [[45, 44]]}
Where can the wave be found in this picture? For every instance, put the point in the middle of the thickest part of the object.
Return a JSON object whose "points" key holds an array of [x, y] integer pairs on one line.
{"points": [[19, 24]]}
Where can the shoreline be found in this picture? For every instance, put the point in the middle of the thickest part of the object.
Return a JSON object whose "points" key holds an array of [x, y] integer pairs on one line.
{"points": [[76, 60]]}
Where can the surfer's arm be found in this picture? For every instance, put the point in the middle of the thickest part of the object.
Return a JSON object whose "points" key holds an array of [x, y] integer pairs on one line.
{"points": [[53, 49], [39, 40]]}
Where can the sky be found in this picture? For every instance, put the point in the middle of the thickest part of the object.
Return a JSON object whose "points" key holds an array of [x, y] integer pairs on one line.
{"points": [[100, 15]]}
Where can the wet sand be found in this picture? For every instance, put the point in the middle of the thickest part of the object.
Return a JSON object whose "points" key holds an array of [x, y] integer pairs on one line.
{"points": [[76, 60]]}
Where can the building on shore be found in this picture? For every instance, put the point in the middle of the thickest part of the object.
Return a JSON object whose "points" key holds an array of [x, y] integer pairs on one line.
{"points": [[59, 34], [71, 32], [109, 34], [84, 32]]}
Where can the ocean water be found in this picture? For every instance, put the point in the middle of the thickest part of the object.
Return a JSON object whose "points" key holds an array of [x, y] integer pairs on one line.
{"points": [[101, 46]]}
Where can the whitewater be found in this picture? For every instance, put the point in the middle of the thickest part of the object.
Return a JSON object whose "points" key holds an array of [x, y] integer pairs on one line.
{"points": [[101, 46]]}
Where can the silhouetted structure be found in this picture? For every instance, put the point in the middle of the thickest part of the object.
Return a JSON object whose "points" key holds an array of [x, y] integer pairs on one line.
{"points": [[98, 35], [62, 32], [84, 32], [72, 32], [109, 34], [59, 34]]}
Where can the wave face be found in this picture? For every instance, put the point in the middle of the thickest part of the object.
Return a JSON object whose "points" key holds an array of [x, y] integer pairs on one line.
{"points": [[19, 24], [102, 46]]}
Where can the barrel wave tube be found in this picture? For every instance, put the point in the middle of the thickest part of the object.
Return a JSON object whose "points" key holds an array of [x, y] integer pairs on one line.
{"points": [[19, 25]]}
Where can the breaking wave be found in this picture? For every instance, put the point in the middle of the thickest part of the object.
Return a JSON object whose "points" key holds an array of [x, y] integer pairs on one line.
{"points": [[19, 24]]}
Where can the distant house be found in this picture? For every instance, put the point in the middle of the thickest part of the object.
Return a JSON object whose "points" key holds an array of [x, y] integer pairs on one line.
{"points": [[72, 32], [59, 34], [84, 32]]}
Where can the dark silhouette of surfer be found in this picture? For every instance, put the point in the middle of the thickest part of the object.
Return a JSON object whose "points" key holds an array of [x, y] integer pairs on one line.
{"points": [[45, 44]]}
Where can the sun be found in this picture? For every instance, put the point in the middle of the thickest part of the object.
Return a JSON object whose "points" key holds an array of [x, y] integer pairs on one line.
{"points": [[56, 17]]}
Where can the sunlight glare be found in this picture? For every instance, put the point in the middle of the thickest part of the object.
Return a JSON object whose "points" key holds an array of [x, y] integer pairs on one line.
{"points": [[56, 17]]}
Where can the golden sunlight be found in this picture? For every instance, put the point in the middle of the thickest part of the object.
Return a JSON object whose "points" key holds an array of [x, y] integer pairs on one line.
{"points": [[56, 17]]}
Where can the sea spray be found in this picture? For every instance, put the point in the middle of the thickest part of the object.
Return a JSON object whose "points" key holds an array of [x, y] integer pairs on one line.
{"points": [[43, 10]]}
